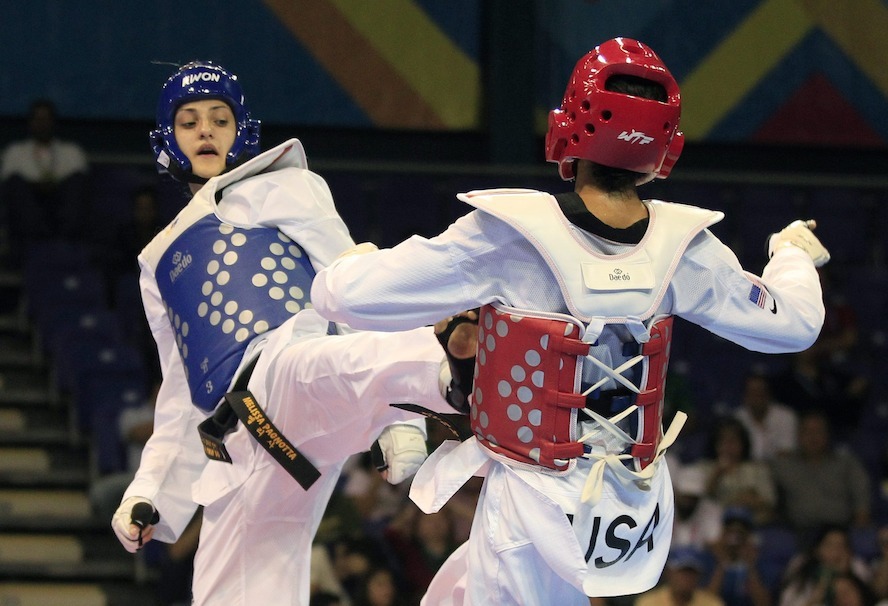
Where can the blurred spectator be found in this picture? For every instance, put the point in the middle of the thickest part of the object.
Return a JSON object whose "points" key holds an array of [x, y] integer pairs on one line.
{"points": [[698, 519], [43, 181], [682, 575], [880, 566], [733, 479], [378, 588], [840, 335], [322, 598], [420, 543], [772, 426], [174, 562], [135, 425], [142, 224], [736, 576], [325, 586], [352, 558], [820, 484], [176, 565], [814, 382], [850, 590], [809, 575], [375, 500]]}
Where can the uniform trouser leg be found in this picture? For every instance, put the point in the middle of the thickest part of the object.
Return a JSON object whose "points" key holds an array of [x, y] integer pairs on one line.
{"points": [[330, 396], [339, 389], [502, 562]]}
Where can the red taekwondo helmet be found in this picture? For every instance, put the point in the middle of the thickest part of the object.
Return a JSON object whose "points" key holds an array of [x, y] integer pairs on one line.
{"points": [[194, 81], [616, 129]]}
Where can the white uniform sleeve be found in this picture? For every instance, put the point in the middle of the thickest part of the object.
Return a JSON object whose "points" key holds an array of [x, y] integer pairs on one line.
{"points": [[173, 457], [712, 290], [481, 259], [421, 281]]}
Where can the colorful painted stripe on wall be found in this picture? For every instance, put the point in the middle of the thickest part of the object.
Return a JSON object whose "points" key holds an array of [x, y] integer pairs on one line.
{"points": [[394, 61]]}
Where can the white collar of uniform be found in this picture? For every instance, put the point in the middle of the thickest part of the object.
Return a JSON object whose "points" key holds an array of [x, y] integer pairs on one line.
{"points": [[289, 154]]}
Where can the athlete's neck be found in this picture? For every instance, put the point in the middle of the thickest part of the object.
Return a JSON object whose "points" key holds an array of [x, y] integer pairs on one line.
{"points": [[616, 210]]}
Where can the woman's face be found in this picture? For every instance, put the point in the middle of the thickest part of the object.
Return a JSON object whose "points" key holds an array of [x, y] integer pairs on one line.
{"points": [[205, 131], [834, 551], [381, 588], [729, 445]]}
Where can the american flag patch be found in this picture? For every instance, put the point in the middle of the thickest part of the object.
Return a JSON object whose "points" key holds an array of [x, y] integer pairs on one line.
{"points": [[758, 295]]}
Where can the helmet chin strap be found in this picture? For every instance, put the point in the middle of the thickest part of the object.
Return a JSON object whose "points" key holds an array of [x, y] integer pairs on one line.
{"points": [[186, 176], [192, 178]]}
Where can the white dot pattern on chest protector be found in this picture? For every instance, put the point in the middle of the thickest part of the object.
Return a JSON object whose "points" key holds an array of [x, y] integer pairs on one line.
{"points": [[230, 319], [517, 395], [511, 388], [223, 285]]}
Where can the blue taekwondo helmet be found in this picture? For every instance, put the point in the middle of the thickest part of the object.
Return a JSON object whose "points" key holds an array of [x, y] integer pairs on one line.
{"points": [[194, 81]]}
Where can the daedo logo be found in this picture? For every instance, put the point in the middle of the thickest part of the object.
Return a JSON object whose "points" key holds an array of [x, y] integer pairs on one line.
{"points": [[618, 274], [181, 262], [190, 79]]}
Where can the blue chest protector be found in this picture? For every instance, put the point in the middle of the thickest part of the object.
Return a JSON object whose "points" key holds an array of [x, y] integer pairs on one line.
{"points": [[222, 286]]}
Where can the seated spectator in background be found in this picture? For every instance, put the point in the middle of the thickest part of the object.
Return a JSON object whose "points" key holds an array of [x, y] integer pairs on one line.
{"points": [[680, 585], [323, 598], [736, 576], [378, 588], [43, 181], [814, 382], [820, 484], [141, 225], [733, 479], [849, 590], [352, 558], [772, 426], [840, 334], [420, 543], [698, 519], [880, 566], [325, 586], [375, 500], [135, 425], [809, 576]]}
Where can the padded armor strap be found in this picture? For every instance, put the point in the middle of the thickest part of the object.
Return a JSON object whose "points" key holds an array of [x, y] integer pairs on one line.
{"points": [[651, 398]]}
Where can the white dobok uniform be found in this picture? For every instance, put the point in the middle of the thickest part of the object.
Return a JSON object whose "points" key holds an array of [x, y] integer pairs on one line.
{"points": [[227, 280], [601, 525]]}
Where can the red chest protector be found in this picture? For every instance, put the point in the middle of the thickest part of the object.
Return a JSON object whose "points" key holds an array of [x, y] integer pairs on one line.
{"points": [[526, 396]]}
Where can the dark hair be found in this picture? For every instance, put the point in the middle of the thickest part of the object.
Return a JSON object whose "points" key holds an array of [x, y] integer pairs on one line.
{"points": [[637, 87], [324, 598], [362, 595], [809, 564], [734, 426], [609, 179]]}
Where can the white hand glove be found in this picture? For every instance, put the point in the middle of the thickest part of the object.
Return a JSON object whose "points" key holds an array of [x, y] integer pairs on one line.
{"points": [[359, 249], [132, 535], [799, 234], [403, 451]]}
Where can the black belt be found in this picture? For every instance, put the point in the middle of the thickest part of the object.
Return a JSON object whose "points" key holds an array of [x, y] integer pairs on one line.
{"points": [[240, 405]]}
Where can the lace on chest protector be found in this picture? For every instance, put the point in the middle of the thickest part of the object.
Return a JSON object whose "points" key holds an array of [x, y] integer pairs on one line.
{"points": [[527, 396]]}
